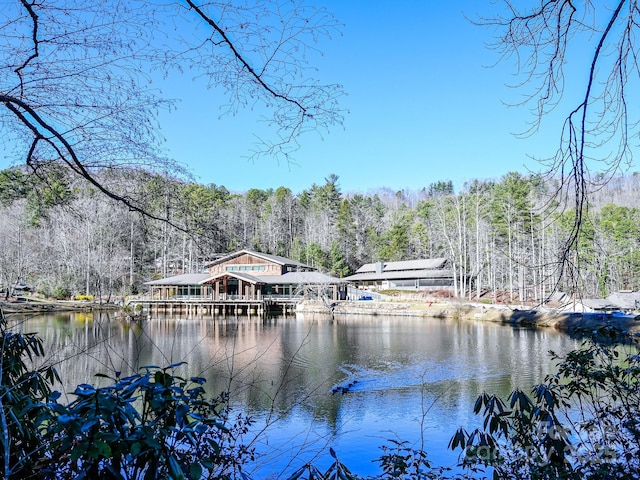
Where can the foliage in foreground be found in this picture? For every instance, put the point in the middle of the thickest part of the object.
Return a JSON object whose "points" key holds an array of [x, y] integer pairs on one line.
{"points": [[150, 425], [582, 422]]}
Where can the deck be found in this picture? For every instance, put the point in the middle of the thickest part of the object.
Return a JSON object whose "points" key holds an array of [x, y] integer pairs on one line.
{"points": [[230, 305]]}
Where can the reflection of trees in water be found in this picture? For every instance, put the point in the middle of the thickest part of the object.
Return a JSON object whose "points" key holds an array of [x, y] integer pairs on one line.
{"points": [[80, 345], [274, 364]]}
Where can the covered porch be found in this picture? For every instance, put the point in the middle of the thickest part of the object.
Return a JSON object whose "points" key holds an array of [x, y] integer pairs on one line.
{"points": [[232, 286]]}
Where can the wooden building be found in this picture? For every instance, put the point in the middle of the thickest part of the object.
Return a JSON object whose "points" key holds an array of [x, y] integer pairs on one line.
{"points": [[248, 278], [420, 274]]}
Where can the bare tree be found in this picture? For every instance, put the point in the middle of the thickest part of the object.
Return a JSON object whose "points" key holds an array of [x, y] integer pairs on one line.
{"points": [[76, 77], [16, 258], [551, 40]]}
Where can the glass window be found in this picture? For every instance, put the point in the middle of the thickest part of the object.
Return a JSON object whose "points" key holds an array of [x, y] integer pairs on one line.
{"points": [[245, 268]]}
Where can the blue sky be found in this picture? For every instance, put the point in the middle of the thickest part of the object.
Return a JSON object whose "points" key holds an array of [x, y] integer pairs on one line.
{"points": [[425, 102]]}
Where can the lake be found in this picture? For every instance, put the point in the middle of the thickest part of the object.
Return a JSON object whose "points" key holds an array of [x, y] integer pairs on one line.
{"points": [[413, 379]]}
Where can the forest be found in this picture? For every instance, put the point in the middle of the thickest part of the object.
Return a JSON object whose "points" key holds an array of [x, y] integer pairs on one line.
{"points": [[503, 237]]}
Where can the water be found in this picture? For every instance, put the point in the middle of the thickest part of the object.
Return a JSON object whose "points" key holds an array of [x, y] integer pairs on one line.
{"points": [[413, 379]]}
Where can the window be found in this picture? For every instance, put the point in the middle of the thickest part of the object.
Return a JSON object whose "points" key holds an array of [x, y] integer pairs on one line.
{"points": [[189, 290], [245, 268]]}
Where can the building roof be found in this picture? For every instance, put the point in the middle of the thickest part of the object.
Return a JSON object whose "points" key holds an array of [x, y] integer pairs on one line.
{"points": [[405, 265], [598, 303], [302, 278], [625, 300], [293, 278], [616, 301], [265, 256], [407, 274], [185, 279], [309, 276], [246, 277]]}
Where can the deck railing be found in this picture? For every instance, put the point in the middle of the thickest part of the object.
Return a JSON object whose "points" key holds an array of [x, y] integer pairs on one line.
{"points": [[221, 298]]}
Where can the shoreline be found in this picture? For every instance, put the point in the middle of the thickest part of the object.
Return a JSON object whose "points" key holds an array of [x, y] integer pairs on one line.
{"points": [[45, 306], [568, 322]]}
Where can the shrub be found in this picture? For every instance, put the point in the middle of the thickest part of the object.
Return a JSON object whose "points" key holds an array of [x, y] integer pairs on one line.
{"points": [[84, 298], [127, 309], [60, 293], [23, 392], [149, 425], [581, 423]]}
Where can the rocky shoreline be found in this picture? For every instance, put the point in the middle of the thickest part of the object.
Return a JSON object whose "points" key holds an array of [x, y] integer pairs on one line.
{"points": [[574, 323]]}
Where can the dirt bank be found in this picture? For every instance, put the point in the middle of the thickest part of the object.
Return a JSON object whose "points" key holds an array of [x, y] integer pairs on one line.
{"points": [[29, 305]]}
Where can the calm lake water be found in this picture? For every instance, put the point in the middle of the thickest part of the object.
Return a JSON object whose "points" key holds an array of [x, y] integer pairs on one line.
{"points": [[414, 379]]}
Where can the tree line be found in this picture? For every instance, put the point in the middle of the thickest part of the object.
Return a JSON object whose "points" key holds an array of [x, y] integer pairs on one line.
{"points": [[503, 238], [77, 94]]}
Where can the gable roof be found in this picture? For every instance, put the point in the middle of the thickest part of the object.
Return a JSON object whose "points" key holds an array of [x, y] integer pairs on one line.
{"points": [[245, 277], [403, 270], [622, 300], [265, 256], [293, 278]]}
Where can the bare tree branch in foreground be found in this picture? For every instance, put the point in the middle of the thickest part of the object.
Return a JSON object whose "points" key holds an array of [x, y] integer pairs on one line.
{"points": [[77, 78], [581, 60]]}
